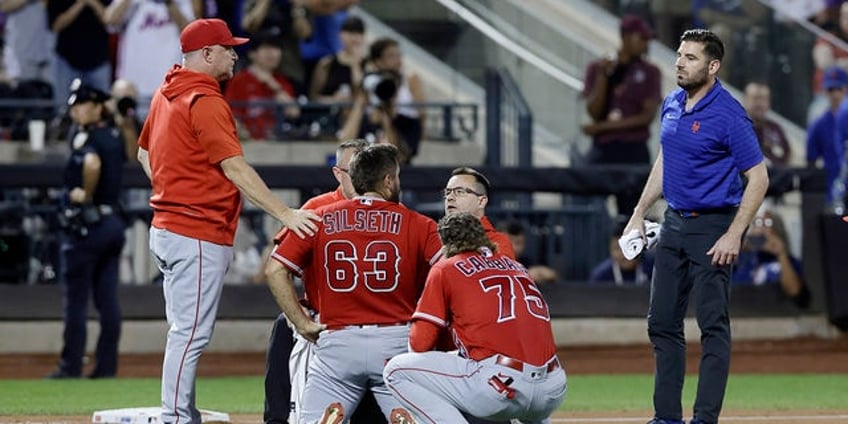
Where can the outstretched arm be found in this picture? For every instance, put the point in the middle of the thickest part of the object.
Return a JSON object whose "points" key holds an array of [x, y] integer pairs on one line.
{"points": [[248, 182]]}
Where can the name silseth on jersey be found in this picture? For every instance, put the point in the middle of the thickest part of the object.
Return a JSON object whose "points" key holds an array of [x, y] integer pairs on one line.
{"points": [[363, 220]]}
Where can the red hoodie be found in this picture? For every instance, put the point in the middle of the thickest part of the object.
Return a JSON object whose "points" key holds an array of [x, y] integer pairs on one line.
{"points": [[188, 132]]}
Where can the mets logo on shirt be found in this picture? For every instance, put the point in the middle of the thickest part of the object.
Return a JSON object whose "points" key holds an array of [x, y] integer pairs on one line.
{"points": [[695, 127]]}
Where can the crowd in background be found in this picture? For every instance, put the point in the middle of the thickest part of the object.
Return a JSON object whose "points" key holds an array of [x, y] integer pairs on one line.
{"points": [[296, 80], [307, 73]]}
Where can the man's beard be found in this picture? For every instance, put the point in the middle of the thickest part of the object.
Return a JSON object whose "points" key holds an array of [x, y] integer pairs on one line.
{"points": [[394, 194], [698, 80]]}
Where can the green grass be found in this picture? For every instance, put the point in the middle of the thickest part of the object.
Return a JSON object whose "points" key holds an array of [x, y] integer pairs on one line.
{"points": [[585, 393]]}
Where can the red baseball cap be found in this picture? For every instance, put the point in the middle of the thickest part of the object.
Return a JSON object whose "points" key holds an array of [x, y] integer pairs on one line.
{"points": [[634, 24], [208, 32]]}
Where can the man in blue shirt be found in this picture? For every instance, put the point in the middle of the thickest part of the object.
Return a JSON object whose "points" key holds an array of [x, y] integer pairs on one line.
{"points": [[827, 134], [706, 140]]}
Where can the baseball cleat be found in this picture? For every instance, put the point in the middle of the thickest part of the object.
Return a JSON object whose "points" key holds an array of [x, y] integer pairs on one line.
{"points": [[334, 414], [400, 416]]}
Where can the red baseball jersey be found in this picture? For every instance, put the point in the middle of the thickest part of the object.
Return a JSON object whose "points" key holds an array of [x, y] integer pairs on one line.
{"points": [[310, 292], [491, 305], [498, 238], [365, 260]]}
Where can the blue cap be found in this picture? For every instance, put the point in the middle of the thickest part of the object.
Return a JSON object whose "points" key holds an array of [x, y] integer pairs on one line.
{"points": [[835, 77]]}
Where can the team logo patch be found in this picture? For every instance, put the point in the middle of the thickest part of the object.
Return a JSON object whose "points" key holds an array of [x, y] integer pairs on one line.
{"points": [[696, 126]]}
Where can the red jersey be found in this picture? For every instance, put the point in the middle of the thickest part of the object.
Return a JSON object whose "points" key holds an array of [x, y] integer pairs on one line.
{"points": [[366, 260], [498, 238], [310, 291], [188, 132], [491, 305], [243, 90]]}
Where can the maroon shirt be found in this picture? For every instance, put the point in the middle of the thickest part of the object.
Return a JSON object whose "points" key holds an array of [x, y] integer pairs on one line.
{"points": [[773, 142], [629, 88]]}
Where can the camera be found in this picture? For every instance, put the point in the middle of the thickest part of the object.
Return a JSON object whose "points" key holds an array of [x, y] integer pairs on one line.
{"points": [[756, 241], [126, 106], [381, 86], [76, 220]]}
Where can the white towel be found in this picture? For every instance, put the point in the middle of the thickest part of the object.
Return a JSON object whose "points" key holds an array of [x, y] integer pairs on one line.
{"points": [[632, 245]]}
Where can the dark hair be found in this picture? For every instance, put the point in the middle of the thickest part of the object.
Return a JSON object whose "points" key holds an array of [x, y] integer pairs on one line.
{"points": [[353, 24], [369, 166], [713, 46], [478, 177], [514, 228], [268, 37], [463, 232], [379, 46], [357, 144]]}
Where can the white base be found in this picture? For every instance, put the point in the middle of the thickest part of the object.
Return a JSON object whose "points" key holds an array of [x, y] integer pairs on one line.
{"points": [[149, 416]]}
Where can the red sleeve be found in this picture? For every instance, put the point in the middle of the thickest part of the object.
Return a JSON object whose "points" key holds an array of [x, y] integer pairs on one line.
{"points": [[294, 253], [433, 304], [423, 336], [432, 242], [213, 123]]}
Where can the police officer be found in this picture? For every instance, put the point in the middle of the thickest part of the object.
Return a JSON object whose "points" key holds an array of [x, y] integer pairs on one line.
{"points": [[95, 233]]}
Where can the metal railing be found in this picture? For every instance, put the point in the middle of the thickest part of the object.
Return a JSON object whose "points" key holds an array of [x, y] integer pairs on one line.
{"points": [[509, 122]]}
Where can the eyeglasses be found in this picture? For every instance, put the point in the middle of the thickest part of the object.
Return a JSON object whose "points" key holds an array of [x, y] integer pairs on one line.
{"points": [[460, 191]]}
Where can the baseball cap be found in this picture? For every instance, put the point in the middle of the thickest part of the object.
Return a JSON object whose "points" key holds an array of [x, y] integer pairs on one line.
{"points": [[81, 93], [353, 24], [632, 23], [208, 32], [834, 77]]}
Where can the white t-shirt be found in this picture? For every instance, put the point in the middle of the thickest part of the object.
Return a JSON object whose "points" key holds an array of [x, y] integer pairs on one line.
{"points": [[150, 43]]}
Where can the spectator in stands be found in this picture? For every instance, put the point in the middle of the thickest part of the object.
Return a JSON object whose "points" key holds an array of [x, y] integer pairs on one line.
{"points": [[619, 270], [540, 273], [27, 41], [385, 63], [225, 10], [123, 107], [823, 148], [325, 39], [82, 45], [671, 17], [255, 92], [149, 43], [757, 103], [95, 234], [765, 259], [742, 24], [374, 123], [289, 18], [827, 54], [336, 75], [622, 96]]}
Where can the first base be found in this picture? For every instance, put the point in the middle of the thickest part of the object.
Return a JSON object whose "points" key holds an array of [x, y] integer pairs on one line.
{"points": [[149, 416]]}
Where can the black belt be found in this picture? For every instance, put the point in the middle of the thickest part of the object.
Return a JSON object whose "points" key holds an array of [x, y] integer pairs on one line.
{"points": [[727, 210]]}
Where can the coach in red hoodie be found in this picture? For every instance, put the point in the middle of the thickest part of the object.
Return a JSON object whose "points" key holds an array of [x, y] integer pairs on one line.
{"points": [[190, 152]]}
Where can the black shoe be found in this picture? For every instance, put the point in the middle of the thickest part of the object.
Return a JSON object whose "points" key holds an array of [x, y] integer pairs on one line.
{"points": [[60, 374], [98, 376]]}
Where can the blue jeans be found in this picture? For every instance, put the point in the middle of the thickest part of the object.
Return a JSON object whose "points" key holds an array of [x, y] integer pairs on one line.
{"points": [[99, 78]]}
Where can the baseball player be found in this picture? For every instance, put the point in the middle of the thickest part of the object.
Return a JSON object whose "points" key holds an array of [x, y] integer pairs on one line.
{"points": [[366, 260], [507, 366], [467, 190], [289, 354]]}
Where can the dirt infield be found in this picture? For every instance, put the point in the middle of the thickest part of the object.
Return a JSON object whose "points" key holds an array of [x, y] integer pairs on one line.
{"points": [[807, 355], [785, 356]]}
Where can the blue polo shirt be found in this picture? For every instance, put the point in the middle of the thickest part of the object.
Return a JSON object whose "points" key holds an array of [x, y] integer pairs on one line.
{"points": [[705, 150], [822, 142]]}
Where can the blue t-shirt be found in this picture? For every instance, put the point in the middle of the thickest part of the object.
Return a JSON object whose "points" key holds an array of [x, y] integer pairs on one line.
{"points": [[326, 36], [822, 142], [753, 268], [704, 150]]}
